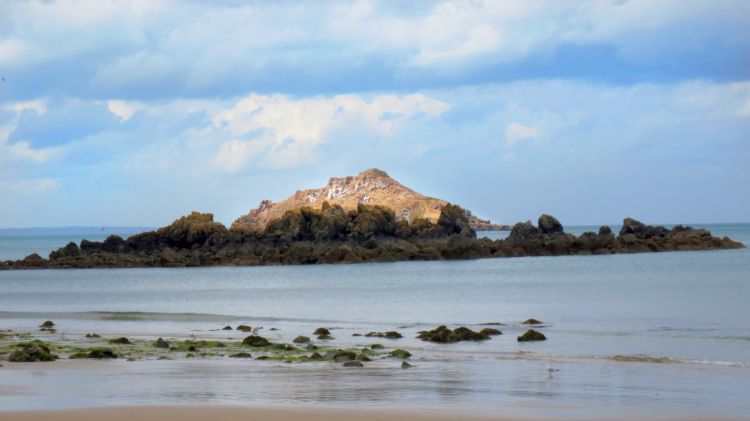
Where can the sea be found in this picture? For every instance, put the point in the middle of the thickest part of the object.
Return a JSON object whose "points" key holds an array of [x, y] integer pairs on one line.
{"points": [[629, 335]]}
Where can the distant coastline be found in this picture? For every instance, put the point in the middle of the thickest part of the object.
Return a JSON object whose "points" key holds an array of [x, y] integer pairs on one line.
{"points": [[72, 230]]}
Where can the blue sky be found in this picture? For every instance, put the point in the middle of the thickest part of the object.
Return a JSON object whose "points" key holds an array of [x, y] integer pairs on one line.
{"points": [[136, 112]]}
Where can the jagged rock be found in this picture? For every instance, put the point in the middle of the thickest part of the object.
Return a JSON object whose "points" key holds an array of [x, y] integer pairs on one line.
{"points": [[31, 352], [549, 224], [443, 334], [523, 231], [641, 231], [70, 250], [256, 341], [532, 335]]}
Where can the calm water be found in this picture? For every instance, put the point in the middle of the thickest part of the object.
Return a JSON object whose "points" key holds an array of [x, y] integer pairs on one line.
{"points": [[689, 307]]}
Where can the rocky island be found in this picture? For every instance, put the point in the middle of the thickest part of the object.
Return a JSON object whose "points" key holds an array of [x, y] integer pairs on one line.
{"points": [[369, 233]]}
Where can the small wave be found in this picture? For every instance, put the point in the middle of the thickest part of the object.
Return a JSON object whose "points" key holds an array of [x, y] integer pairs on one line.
{"points": [[663, 360]]}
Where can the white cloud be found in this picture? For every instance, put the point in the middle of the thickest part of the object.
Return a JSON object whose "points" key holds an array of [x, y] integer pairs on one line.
{"points": [[123, 110], [38, 105], [288, 129], [517, 132]]}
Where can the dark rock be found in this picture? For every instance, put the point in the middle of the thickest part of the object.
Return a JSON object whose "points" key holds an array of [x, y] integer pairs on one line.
{"points": [[353, 364], [532, 335], [404, 364], [490, 331], [95, 353], [92, 335], [400, 353], [325, 337], [263, 358], [640, 230], [321, 331], [241, 355], [444, 335], [70, 250], [376, 346], [227, 328], [301, 340], [533, 322], [256, 341], [549, 224], [362, 357], [244, 328], [161, 343], [315, 357], [47, 324], [391, 334], [523, 231], [342, 355], [31, 352], [121, 341]]}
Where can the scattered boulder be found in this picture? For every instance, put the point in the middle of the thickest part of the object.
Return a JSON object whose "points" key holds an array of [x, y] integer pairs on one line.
{"points": [[256, 341], [92, 335], [301, 340], [48, 324], [342, 356], [120, 341], [161, 343], [376, 346], [241, 355], [362, 357], [405, 365], [443, 334], [227, 328], [391, 334], [31, 352], [400, 353], [490, 331], [244, 328], [353, 364], [533, 322], [532, 335], [321, 331]]}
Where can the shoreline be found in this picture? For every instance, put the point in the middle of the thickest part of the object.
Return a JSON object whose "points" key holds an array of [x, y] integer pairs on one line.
{"points": [[306, 413]]}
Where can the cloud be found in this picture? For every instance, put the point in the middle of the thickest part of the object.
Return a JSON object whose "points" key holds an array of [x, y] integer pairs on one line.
{"points": [[121, 109], [168, 48], [517, 132], [288, 129]]}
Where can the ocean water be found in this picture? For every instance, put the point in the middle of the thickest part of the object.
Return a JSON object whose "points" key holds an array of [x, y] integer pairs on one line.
{"points": [[657, 334]]}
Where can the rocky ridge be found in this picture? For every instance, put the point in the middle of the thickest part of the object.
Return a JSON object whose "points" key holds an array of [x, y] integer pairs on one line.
{"points": [[369, 233], [370, 187]]}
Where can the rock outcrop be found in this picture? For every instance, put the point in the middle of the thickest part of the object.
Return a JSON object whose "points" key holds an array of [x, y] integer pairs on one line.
{"points": [[370, 187], [369, 233]]}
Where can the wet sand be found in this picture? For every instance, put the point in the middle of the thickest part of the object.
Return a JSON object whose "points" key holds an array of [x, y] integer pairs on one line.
{"points": [[232, 413], [224, 413]]}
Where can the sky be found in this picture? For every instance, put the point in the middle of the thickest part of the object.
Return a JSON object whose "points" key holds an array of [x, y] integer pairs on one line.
{"points": [[117, 113]]}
